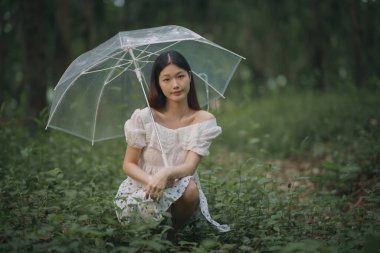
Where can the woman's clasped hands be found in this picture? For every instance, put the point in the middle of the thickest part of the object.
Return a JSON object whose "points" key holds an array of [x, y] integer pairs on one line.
{"points": [[157, 183]]}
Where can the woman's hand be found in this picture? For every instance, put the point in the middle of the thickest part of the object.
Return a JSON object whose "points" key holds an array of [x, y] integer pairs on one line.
{"points": [[156, 185]]}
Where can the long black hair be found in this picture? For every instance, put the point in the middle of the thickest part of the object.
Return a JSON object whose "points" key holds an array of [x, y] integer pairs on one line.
{"points": [[156, 97]]}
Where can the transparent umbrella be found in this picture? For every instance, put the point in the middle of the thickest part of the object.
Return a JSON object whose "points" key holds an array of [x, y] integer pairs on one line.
{"points": [[100, 90]]}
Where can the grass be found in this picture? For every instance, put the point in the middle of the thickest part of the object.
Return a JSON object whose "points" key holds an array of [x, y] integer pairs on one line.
{"points": [[291, 173]]}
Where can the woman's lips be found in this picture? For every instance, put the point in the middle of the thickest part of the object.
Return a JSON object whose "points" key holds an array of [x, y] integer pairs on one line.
{"points": [[177, 93]]}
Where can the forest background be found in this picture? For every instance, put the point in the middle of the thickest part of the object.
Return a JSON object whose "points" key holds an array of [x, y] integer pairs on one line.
{"points": [[296, 169], [317, 45]]}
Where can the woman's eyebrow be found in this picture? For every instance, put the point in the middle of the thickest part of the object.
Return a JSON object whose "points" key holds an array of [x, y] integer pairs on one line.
{"points": [[179, 72]]}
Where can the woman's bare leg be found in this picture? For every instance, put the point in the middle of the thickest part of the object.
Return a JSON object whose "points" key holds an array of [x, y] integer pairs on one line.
{"points": [[185, 206]]}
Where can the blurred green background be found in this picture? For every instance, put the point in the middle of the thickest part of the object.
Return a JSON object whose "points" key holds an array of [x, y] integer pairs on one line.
{"points": [[299, 45]]}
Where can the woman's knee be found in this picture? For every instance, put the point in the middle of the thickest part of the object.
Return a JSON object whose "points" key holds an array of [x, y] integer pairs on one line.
{"points": [[191, 194]]}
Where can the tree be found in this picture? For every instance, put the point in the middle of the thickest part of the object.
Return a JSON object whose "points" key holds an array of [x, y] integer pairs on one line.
{"points": [[33, 43], [357, 44], [63, 37], [318, 41]]}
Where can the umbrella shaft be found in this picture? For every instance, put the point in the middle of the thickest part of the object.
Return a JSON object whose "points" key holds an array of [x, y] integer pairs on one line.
{"points": [[138, 74]]}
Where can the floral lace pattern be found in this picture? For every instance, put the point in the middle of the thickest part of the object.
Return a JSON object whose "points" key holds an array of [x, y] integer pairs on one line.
{"points": [[130, 199]]}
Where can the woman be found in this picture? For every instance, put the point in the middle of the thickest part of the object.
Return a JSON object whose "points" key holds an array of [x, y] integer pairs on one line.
{"points": [[185, 132]]}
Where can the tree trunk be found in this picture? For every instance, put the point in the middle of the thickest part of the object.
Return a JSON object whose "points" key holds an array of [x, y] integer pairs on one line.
{"points": [[318, 52], [33, 41], [357, 44], [2, 54], [126, 20], [62, 54], [89, 23], [211, 16]]}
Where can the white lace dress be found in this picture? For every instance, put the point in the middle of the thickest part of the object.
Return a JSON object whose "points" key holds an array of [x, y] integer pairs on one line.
{"points": [[139, 131]]}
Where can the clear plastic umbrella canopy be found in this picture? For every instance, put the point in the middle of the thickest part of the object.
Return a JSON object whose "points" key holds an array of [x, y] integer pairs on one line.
{"points": [[100, 90]]}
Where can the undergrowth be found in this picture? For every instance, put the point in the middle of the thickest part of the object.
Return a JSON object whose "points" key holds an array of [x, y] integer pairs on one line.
{"points": [[288, 174]]}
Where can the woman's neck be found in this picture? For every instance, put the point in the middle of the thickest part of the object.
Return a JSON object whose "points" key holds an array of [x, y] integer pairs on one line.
{"points": [[176, 110]]}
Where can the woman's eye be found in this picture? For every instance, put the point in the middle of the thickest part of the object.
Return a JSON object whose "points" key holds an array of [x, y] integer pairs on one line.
{"points": [[165, 80], [181, 76]]}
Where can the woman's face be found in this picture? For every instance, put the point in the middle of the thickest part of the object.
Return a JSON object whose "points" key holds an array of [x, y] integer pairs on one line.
{"points": [[175, 83]]}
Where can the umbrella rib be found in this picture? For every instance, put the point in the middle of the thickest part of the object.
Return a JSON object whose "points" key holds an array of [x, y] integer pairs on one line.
{"points": [[149, 54], [68, 87], [207, 83], [143, 51], [206, 41], [201, 40], [113, 67], [96, 114], [157, 52], [95, 63], [110, 57], [106, 81], [100, 60], [234, 69], [60, 99], [87, 139]]}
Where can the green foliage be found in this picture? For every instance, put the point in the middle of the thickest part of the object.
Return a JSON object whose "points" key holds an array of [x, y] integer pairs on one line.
{"points": [[56, 191], [291, 124]]}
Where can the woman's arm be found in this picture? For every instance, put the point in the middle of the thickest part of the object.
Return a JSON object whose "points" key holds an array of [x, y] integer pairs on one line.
{"points": [[158, 181], [187, 168], [130, 167]]}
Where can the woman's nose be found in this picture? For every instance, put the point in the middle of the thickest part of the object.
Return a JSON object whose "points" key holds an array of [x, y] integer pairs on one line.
{"points": [[175, 83]]}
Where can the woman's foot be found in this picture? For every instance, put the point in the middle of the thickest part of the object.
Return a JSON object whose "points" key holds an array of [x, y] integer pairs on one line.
{"points": [[172, 236]]}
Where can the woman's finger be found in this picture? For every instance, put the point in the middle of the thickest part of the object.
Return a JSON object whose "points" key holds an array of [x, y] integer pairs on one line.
{"points": [[157, 195], [147, 191]]}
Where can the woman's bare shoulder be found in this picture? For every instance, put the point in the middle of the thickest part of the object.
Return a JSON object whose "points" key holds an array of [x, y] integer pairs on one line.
{"points": [[203, 116]]}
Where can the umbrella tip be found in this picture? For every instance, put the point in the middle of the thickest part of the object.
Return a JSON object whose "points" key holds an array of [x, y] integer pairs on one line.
{"points": [[47, 124]]}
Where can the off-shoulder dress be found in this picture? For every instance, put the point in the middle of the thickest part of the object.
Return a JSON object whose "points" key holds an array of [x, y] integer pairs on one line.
{"points": [[130, 199]]}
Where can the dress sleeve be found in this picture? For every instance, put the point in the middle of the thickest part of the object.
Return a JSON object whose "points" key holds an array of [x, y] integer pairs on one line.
{"points": [[200, 144], [134, 130]]}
